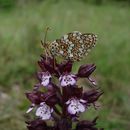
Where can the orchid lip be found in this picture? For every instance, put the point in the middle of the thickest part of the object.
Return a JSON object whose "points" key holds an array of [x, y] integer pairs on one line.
{"points": [[45, 79], [44, 111], [76, 106], [69, 79]]}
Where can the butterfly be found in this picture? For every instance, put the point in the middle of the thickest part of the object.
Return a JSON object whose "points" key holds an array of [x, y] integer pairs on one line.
{"points": [[72, 46]]}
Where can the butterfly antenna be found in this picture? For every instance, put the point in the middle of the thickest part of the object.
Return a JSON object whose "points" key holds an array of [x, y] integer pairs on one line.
{"points": [[46, 34], [44, 44]]}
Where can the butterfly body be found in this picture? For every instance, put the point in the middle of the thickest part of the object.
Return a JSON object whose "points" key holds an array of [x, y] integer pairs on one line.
{"points": [[73, 46]]}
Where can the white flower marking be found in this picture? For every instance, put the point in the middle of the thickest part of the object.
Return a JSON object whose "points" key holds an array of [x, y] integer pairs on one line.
{"points": [[65, 37], [44, 111], [45, 78], [67, 80], [30, 108], [76, 106]]}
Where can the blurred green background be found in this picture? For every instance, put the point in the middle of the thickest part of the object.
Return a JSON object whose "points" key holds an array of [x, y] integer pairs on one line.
{"points": [[22, 25]]}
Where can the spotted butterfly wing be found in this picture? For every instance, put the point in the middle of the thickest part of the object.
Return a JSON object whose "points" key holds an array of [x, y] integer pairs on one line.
{"points": [[73, 46]]}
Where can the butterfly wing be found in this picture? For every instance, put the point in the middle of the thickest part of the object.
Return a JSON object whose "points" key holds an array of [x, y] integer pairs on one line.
{"points": [[89, 41], [73, 46]]}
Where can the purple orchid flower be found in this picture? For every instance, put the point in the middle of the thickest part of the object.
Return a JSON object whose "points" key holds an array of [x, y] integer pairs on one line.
{"points": [[44, 103], [62, 100]]}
